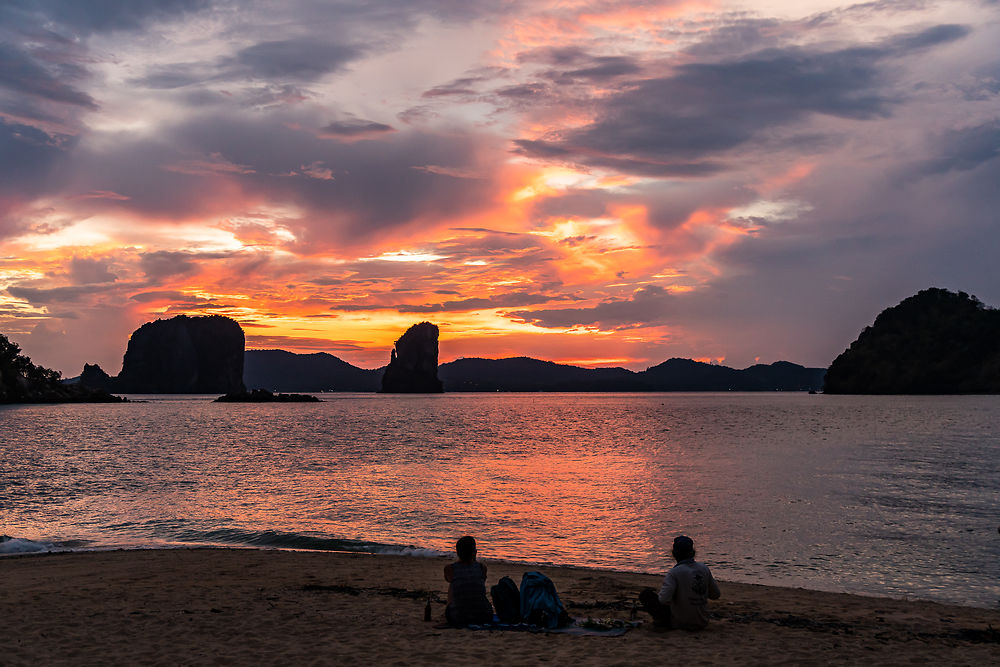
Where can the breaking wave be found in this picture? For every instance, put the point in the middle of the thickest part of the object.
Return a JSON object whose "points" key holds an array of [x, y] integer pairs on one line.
{"points": [[283, 540], [20, 545]]}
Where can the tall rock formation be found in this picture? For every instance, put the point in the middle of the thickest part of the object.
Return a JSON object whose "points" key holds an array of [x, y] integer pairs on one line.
{"points": [[182, 355], [413, 363], [935, 342]]}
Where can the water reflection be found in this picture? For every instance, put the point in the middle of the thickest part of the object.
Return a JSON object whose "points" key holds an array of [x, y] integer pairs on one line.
{"points": [[878, 495]]}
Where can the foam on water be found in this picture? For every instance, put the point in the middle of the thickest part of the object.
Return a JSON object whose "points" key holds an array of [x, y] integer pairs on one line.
{"points": [[20, 545], [274, 539]]}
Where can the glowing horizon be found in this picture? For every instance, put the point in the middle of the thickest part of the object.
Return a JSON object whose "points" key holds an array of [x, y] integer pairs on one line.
{"points": [[588, 182]]}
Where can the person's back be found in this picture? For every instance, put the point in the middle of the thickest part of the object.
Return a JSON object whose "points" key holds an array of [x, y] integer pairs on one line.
{"points": [[467, 601], [687, 588]]}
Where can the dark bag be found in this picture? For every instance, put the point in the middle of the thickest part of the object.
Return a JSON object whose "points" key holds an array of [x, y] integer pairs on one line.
{"points": [[506, 600], [540, 604]]}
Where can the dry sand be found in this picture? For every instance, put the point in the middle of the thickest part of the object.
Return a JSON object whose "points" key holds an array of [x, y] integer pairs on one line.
{"points": [[240, 607]]}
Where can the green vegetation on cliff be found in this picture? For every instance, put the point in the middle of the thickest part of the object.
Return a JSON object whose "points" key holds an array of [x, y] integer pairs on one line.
{"points": [[935, 342]]}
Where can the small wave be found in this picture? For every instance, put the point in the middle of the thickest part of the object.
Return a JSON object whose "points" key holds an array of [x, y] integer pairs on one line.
{"points": [[283, 540], [20, 545], [420, 552]]}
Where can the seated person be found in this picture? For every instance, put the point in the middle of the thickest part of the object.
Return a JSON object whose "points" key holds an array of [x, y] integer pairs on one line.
{"points": [[687, 588], [467, 601]]}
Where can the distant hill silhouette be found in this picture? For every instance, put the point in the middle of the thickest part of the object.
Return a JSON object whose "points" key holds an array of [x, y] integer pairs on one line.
{"points": [[278, 370], [23, 382], [935, 342], [526, 374], [181, 355], [687, 375]]}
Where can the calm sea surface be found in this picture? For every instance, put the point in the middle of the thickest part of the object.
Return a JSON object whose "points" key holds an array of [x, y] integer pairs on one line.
{"points": [[895, 496]]}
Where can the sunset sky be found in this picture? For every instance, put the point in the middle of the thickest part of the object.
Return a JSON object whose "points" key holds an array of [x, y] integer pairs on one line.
{"points": [[589, 181]]}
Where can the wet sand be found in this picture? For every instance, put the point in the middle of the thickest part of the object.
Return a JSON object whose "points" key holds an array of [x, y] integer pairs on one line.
{"points": [[237, 607]]}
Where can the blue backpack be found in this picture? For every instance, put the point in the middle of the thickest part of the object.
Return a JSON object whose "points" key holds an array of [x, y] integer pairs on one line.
{"points": [[506, 600], [540, 604]]}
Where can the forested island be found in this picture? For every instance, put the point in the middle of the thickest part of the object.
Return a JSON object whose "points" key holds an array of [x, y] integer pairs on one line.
{"points": [[935, 342]]}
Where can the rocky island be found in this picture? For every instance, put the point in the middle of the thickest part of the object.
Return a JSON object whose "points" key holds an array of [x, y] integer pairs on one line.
{"points": [[264, 396], [413, 363], [182, 355]]}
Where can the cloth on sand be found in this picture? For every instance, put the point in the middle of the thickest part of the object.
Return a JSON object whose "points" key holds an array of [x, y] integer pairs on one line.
{"points": [[577, 628]]}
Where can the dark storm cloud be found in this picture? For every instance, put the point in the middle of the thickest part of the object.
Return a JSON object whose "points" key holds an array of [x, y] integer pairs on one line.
{"points": [[667, 206], [40, 296], [154, 176], [573, 203], [165, 264], [523, 91], [169, 263], [23, 75], [354, 128], [204, 165], [255, 342], [392, 13], [965, 149], [557, 56], [84, 271], [513, 299], [28, 154], [294, 58], [353, 202], [159, 295], [458, 88], [488, 245], [86, 16], [647, 306], [740, 36], [27, 158], [939, 34], [865, 11], [672, 125], [174, 75], [276, 61], [599, 68], [338, 33]]}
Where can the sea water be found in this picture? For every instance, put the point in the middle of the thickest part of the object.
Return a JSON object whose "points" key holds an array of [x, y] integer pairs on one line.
{"points": [[886, 496]]}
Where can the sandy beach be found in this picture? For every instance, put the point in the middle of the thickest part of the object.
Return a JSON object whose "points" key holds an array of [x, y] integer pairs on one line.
{"points": [[234, 606]]}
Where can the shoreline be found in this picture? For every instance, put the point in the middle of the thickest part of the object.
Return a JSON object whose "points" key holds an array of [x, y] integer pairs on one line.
{"points": [[232, 605], [434, 554]]}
